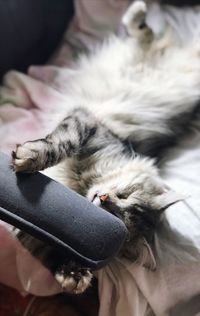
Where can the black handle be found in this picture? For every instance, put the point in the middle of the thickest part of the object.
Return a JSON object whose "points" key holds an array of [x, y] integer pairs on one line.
{"points": [[55, 214]]}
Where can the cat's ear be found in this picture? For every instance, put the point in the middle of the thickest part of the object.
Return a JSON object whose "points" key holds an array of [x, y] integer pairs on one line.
{"points": [[167, 198], [146, 257]]}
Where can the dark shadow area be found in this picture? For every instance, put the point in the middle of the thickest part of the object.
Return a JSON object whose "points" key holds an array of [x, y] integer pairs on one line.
{"points": [[181, 3], [30, 31], [190, 308]]}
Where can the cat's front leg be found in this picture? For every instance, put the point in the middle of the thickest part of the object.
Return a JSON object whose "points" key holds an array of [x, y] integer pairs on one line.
{"points": [[67, 140], [31, 156]]}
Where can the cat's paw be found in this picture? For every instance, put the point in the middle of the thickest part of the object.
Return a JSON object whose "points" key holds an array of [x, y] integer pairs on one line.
{"points": [[135, 15], [134, 21], [74, 282], [27, 157]]}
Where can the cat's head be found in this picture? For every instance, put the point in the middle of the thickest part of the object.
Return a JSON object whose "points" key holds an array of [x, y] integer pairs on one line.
{"points": [[135, 193]]}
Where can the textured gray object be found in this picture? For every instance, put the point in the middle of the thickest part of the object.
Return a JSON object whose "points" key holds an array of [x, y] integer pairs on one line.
{"points": [[55, 214]]}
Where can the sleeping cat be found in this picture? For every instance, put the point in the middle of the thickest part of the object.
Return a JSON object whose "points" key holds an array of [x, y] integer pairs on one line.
{"points": [[125, 102]]}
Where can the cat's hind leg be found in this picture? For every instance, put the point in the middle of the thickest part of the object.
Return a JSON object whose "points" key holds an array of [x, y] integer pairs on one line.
{"points": [[134, 21]]}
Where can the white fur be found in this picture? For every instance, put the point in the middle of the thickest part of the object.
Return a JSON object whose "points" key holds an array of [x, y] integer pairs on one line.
{"points": [[125, 85], [131, 87]]}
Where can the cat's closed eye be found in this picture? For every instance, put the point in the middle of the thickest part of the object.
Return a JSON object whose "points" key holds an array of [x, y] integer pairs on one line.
{"points": [[122, 196]]}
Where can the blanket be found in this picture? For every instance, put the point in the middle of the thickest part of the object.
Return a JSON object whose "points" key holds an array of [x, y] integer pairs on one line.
{"points": [[124, 287]]}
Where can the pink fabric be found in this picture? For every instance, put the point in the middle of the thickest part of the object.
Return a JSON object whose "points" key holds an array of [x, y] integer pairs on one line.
{"points": [[20, 270], [25, 104]]}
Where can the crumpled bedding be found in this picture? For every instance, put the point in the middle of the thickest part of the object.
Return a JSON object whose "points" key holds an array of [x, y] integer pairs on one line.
{"points": [[124, 287]]}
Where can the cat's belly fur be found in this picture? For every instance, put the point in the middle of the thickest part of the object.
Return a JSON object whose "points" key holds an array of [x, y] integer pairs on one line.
{"points": [[128, 89]]}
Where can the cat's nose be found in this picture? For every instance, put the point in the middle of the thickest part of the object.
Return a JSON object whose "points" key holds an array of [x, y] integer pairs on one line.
{"points": [[103, 198]]}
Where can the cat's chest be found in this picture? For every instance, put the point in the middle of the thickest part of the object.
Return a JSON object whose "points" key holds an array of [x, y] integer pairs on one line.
{"points": [[76, 174]]}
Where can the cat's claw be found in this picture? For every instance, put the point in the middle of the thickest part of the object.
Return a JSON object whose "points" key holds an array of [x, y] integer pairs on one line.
{"points": [[74, 282]]}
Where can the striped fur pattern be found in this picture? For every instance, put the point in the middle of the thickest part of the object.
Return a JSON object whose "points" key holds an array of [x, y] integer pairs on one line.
{"points": [[126, 103]]}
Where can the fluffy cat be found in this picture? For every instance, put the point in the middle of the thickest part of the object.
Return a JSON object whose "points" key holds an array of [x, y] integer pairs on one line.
{"points": [[125, 102]]}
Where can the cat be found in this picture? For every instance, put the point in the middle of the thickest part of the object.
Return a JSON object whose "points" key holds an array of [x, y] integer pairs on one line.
{"points": [[127, 101]]}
